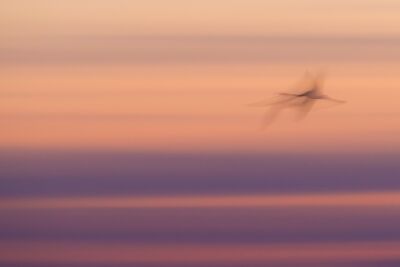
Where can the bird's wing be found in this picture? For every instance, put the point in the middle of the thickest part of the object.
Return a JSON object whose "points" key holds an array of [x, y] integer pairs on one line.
{"points": [[305, 108], [318, 82], [334, 100], [282, 99], [304, 84], [270, 116]]}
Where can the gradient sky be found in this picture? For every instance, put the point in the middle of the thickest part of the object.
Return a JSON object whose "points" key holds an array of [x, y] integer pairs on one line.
{"points": [[177, 75], [125, 136]]}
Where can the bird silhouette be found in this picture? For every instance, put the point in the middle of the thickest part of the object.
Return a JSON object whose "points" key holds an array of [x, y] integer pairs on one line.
{"points": [[310, 91]]}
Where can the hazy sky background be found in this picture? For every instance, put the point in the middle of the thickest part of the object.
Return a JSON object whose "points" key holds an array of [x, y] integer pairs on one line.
{"points": [[125, 136], [177, 75]]}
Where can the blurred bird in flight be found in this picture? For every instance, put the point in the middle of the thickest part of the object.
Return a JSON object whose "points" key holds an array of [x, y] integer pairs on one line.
{"points": [[309, 91]]}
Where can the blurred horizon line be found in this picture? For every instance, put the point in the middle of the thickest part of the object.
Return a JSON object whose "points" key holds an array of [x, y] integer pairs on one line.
{"points": [[354, 199]]}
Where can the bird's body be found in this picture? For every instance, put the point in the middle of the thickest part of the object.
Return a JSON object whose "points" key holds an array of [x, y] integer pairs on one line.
{"points": [[313, 94], [304, 101]]}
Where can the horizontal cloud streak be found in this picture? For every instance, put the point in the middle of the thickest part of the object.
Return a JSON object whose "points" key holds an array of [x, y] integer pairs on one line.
{"points": [[42, 252], [114, 117], [128, 49], [51, 173], [238, 225], [388, 199]]}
